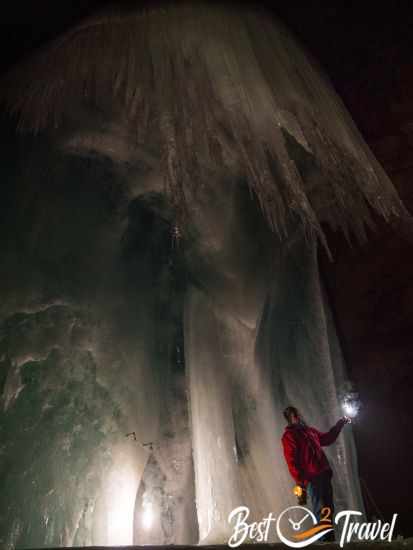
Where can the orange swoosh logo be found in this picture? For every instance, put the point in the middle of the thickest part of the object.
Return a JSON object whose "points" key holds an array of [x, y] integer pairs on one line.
{"points": [[313, 531]]}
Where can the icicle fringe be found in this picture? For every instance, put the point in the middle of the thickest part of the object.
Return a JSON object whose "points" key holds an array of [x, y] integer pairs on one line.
{"points": [[212, 87]]}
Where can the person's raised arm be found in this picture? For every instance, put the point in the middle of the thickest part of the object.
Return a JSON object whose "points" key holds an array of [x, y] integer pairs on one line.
{"points": [[328, 438]]}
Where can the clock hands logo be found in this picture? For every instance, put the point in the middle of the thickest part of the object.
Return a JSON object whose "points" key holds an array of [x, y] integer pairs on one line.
{"points": [[306, 529], [297, 524]]}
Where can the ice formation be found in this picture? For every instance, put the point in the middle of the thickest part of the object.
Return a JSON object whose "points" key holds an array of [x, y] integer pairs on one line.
{"points": [[161, 299]]}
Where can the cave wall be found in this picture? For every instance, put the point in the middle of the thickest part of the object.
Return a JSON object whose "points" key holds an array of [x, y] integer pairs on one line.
{"points": [[88, 355]]}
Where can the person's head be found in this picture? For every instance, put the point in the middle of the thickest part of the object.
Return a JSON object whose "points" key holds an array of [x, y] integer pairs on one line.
{"points": [[292, 415]]}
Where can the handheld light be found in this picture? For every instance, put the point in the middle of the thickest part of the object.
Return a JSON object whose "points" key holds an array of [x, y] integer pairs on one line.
{"points": [[298, 491], [351, 405]]}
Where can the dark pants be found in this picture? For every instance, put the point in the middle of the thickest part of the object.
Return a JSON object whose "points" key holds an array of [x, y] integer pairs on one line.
{"points": [[320, 491]]}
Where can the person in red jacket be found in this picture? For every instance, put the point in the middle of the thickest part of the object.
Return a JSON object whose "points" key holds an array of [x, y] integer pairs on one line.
{"points": [[306, 461]]}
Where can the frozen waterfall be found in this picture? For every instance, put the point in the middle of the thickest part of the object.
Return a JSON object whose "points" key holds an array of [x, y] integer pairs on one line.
{"points": [[144, 383], [161, 301]]}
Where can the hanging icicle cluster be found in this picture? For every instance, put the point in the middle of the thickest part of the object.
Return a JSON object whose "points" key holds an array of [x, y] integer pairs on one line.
{"points": [[209, 88]]}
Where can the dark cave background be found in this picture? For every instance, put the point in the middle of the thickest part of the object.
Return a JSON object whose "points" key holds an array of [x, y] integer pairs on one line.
{"points": [[366, 48]]}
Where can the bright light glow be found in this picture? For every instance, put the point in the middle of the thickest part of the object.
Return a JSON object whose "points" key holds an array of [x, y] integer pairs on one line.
{"points": [[121, 501], [351, 408], [148, 512], [147, 515], [298, 491]]}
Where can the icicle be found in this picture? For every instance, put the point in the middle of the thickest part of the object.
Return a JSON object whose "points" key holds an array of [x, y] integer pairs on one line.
{"points": [[215, 88]]}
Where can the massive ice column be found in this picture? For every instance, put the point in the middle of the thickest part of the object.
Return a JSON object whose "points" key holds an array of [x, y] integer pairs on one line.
{"points": [[241, 378], [213, 437], [298, 350]]}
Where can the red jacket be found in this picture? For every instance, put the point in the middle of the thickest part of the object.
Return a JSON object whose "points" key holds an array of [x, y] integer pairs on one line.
{"points": [[303, 453]]}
